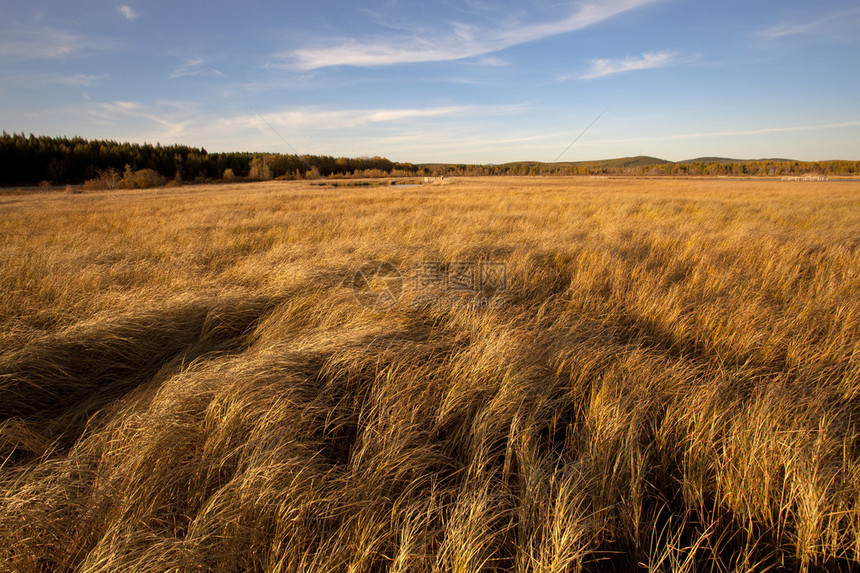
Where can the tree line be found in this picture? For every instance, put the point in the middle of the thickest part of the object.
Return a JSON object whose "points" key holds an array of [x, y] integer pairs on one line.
{"points": [[649, 166], [31, 160]]}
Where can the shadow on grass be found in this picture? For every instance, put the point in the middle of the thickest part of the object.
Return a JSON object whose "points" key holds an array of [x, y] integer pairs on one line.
{"points": [[51, 388]]}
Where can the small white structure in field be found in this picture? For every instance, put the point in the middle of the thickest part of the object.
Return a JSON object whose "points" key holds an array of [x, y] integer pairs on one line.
{"points": [[809, 177]]}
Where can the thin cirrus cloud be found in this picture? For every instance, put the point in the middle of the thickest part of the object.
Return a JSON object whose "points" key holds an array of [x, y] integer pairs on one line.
{"points": [[738, 132], [601, 68], [309, 119], [768, 130], [194, 67], [127, 12], [40, 43], [457, 43], [175, 121], [165, 119], [841, 24], [346, 118], [43, 80], [79, 80]]}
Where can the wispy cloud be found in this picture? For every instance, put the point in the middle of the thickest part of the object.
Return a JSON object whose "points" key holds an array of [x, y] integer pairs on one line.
{"points": [[768, 130], [120, 106], [358, 131], [166, 119], [80, 80], [194, 67], [606, 67], [42, 42], [127, 12], [458, 42], [314, 118], [493, 62], [844, 24], [741, 132], [40, 80]]}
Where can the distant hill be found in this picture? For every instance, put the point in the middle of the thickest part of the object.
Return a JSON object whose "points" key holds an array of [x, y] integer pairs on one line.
{"points": [[618, 163], [622, 162], [725, 160]]}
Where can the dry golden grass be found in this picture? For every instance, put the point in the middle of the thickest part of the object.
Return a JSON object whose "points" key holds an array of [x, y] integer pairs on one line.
{"points": [[671, 380]]}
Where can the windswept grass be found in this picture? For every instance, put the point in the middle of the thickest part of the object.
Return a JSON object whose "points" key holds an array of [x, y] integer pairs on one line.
{"points": [[670, 380]]}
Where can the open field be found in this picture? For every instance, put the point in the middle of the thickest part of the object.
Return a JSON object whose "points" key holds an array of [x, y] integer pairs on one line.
{"points": [[661, 374]]}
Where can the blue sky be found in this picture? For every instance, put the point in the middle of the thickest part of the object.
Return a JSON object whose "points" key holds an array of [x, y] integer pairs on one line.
{"points": [[466, 81]]}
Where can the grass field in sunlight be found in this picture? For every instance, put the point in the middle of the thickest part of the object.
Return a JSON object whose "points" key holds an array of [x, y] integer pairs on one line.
{"points": [[544, 375]]}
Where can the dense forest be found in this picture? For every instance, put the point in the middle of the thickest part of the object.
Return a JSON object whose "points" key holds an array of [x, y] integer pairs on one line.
{"points": [[62, 160], [31, 160]]}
